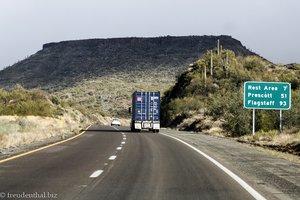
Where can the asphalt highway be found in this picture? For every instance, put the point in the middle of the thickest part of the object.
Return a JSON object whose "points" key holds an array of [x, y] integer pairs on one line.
{"points": [[114, 164]]}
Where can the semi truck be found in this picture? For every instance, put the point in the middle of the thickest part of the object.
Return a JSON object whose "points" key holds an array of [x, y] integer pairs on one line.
{"points": [[145, 111]]}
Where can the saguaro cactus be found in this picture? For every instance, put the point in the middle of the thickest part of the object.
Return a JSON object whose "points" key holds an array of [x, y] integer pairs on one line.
{"points": [[218, 47], [211, 63]]}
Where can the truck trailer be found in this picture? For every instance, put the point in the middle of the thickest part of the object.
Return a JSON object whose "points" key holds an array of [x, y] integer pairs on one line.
{"points": [[145, 111]]}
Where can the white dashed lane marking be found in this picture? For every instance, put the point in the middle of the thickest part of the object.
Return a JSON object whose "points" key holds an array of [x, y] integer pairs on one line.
{"points": [[96, 174], [112, 157]]}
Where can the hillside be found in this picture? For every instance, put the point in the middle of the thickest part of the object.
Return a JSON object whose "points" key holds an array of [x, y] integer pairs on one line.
{"points": [[100, 74], [220, 95], [211, 101]]}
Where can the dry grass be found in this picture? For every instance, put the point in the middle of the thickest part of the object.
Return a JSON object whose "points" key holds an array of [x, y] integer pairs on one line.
{"points": [[286, 156], [282, 145], [18, 131], [273, 137], [286, 138]]}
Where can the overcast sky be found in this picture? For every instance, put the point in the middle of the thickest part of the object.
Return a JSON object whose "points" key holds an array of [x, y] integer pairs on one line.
{"points": [[270, 28]]}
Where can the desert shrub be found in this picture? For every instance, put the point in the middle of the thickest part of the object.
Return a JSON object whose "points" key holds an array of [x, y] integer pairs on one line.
{"points": [[25, 124], [238, 75], [197, 87], [290, 77], [217, 105], [229, 106], [179, 107], [291, 117], [22, 102], [55, 100], [237, 122], [266, 120], [253, 63]]}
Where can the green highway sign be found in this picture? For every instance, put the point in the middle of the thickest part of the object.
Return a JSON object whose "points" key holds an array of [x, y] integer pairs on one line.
{"points": [[267, 95]]}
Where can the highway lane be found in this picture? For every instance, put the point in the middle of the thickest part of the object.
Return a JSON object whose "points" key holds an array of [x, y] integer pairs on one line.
{"points": [[153, 166], [146, 166], [63, 170]]}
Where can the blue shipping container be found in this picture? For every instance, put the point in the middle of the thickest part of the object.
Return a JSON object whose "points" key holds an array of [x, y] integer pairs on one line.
{"points": [[146, 106]]}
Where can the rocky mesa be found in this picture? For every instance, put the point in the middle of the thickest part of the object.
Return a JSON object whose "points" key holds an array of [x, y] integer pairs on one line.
{"points": [[101, 74]]}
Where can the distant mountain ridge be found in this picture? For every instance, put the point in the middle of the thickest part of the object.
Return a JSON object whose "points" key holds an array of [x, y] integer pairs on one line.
{"points": [[67, 62]]}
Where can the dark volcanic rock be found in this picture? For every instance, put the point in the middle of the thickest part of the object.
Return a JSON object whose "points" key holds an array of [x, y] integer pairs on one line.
{"points": [[67, 62]]}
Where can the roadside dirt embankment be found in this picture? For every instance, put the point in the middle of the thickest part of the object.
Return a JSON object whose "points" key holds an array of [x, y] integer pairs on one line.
{"points": [[288, 141], [18, 134]]}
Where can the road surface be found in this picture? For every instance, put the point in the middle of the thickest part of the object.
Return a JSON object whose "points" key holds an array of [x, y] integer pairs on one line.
{"points": [[113, 163]]}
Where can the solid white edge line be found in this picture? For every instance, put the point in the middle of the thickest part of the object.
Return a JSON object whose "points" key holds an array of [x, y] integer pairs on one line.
{"points": [[95, 174], [247, 187]]}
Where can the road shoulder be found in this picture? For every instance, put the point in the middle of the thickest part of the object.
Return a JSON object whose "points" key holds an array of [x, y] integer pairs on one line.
{"points": [[274, 177]]}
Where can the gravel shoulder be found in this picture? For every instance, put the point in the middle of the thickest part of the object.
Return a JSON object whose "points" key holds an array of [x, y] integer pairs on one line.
{"points": [[273, 177]]}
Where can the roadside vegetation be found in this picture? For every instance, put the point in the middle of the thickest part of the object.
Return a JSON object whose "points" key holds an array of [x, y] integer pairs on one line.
{"points": [[28, 117], [110, 95], [22, 102], [209, 95]]}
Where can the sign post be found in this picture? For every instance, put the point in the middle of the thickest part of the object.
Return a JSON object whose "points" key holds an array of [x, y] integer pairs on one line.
{"points": [[267, 95], [253, 122], [280, 121]]}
